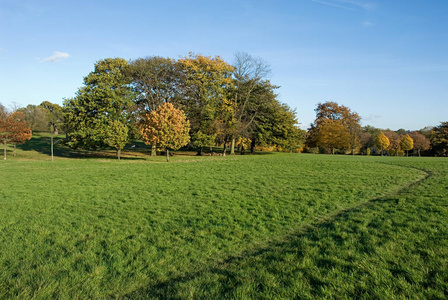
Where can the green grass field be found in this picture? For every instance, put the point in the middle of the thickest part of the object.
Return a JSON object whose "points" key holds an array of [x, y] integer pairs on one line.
{"points": [[270, 226]]}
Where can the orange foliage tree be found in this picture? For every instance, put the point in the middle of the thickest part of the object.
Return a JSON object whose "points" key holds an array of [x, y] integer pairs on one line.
{"points": [[420, 141], [14, 129], [333, 134], [167, 127]]}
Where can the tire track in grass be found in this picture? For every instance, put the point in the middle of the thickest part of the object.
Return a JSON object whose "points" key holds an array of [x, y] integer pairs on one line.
{"points": [[170, 289]]}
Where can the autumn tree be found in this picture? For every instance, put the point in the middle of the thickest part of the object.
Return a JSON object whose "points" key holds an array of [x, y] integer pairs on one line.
{"points": [[167, 127], [394, 141], [406, 143], [420, 142], [335, 113], [105, 99], [382, 142], [333, 134], [205, 94], [155, 81], [14, 129], [439, 139]]}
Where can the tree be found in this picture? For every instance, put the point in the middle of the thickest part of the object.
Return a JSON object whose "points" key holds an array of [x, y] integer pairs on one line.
{"points": [[382, 142], [439, 139], [205, 89], [167, 127], [331, 111], [2, 111], [116, 135], [248, 75], [106, 99], [420, 142], [36, 117], [155, 80], [407, 143], [394, 141], [333, 134], [14, 129], [55, 118]]}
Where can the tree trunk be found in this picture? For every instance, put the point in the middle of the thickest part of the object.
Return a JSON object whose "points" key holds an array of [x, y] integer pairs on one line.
{"points": [[224, 148], [118, 154], [382, 152], [332, 151], [14, 149], [232, 147], [52, 147], [418, 153], [153, 149], [353, 151], [4, 151], [252, 146], [199, 151], [168, 155]]}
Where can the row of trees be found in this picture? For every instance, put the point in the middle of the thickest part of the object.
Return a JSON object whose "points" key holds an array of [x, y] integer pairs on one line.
{"points": [[222, 103], [336, 127]]}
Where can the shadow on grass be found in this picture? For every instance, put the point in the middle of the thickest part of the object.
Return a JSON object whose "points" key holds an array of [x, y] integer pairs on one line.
{"points": [[42, 144], [136, 150], [284, 260]]}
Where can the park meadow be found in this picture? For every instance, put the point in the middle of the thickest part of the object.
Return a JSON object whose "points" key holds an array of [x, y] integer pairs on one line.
{"points": [[265, 225]]}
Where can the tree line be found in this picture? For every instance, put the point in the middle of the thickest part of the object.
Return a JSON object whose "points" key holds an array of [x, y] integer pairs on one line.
{"points": [[219, 103], [337, 128], [200, 101]]}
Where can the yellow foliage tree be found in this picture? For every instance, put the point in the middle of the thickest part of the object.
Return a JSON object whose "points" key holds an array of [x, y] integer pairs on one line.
{"points": [[167, 127], [407, 143], [382, 142]]}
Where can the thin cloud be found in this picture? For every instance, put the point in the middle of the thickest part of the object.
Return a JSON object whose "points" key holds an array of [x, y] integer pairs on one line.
{"points": [[360, 4], [348, 4], [332, 4], [56, 57]]}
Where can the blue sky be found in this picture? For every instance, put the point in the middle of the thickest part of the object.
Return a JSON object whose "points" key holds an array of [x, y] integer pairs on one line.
{"points": [[385, 59]]}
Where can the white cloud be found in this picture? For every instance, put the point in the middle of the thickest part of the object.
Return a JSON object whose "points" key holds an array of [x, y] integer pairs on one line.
{"points": [[56, 57], [367, 23], [372, 117]]}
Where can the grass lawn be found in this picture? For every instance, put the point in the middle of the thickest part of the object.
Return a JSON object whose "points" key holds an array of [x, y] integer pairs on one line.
{"points": [[255, 226]]}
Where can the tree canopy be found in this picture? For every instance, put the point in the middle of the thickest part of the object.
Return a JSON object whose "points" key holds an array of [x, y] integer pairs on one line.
{"points": [[105, 99]]}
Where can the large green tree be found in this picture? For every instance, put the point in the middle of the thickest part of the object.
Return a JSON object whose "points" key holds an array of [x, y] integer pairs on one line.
{"points": [[439, 139], [106, 98]]}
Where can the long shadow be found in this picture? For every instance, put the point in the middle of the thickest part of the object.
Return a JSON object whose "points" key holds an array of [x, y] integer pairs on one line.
{"points": [[228, 269], [42, 144]]}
